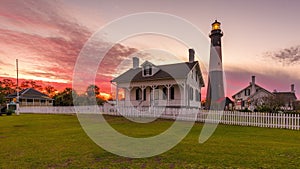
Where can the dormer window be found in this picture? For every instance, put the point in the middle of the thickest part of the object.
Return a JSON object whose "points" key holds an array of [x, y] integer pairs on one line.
{"points": [[148, 70]]}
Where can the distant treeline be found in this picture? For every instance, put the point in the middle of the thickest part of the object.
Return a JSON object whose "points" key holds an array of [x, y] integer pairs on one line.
{"points": [[61, 98]]}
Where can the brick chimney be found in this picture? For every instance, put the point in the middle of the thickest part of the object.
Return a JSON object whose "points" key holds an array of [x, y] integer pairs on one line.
{"points": [[135, 62], [253, 90], [191, 55], [292, 88]]}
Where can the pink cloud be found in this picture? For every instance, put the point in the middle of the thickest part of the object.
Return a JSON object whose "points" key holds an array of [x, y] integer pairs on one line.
{"points": [[51, 54]]}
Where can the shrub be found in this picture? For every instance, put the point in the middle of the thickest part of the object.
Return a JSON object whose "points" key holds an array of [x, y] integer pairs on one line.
{"points": [[9, 112], [246, 110], [263, 108]]}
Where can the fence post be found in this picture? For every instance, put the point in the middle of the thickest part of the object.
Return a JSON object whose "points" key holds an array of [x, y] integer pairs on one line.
{"points": [[287, 121], [298, 122], [292, 121]]}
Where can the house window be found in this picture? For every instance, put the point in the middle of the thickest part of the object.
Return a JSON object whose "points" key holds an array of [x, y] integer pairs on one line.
{"points": [[191, 93], [243, 103], [164, 93], [172, 92], [144, 94], [147, 70], [197, 95], [30, 100], [138, 94], [43, 101], [156, 94], [247, 92]]}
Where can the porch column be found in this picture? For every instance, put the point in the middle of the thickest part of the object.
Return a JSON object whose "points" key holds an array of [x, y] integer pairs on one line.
{"points": [[127, 96], [153, 91], [117, 95], [184, 93], [187, 88], [143, 88], [168, 86]]}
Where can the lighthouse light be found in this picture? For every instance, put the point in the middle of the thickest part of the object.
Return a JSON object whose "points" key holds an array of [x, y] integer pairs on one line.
{"points": [[216, 26]]}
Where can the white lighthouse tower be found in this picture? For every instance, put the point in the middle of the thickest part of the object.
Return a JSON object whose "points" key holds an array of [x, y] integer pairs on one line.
{"points": [[215, 97]]}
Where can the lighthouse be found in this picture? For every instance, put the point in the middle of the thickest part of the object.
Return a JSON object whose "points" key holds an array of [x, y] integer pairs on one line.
{"points": [[215, 96]]}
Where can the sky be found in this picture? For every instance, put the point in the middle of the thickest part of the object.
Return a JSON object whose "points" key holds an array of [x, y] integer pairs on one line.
{"points": [[260, 38]]}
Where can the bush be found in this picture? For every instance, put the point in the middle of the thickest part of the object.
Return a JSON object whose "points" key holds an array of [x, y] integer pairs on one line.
{"points": [[9, 112], [245, 110], [263, 108]]}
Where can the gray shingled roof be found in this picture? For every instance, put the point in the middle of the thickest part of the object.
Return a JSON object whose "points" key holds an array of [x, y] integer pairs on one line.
{"points": [[286, 96], [259, 88], [171, 71], [29, 93]]}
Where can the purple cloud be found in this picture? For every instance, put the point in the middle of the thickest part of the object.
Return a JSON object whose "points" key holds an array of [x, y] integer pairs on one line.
{"points": [[288, 56]]}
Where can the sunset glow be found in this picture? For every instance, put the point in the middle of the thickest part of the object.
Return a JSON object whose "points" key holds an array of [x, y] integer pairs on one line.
{"points": [[47, 37]]}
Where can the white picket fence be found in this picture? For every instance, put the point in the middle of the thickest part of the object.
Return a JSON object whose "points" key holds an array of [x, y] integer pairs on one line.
{"points": [[270, 120], [48, 110]]}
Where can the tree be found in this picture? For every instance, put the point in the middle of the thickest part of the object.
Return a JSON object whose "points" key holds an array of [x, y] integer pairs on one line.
{"points": [[100, 100], [8, 86], [31, 84], [64, 98], [92, 90], [50, 90], [269, 104], [297, 105], [68, 97], [90, 97], [2, 96]]}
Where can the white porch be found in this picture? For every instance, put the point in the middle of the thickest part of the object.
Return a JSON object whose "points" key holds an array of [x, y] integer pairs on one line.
{"points": [[34, 102], [159, 95]]}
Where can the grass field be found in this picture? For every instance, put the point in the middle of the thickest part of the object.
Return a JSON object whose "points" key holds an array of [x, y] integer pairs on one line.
{"points": [[57, 141]]}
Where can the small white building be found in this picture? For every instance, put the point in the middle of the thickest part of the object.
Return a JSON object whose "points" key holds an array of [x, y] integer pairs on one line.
{"points": [[172, 85], [31, 97]]}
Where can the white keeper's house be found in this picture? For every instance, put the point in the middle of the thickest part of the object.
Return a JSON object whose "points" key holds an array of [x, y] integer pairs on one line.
{"points": [[172, 85]]}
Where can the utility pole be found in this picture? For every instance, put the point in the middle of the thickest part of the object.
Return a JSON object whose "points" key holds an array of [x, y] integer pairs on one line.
{"points": [[18, 97]]}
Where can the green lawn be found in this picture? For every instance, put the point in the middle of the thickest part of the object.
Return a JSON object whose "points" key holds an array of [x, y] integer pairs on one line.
{"points": [[57, 141]]}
